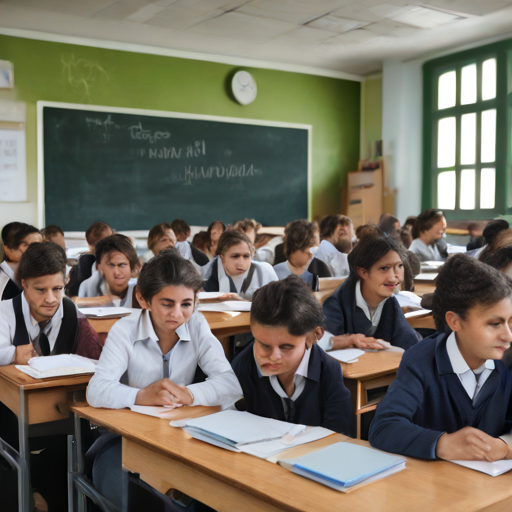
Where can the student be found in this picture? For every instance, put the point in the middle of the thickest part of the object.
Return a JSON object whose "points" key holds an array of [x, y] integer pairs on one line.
{"points": [[161, 237], [299, 238], [266, 247], [406, 231], [201, 241], [232, 271], [363, 309], [284, 374], [496, 236], [117, 262], [389, 225], [332, 229], [451, 393], [54, 234], [214, 231], [248, 226], [188, 251], [500, 259], [427, 233], [86, 265], [151, 357], [16, 238]]}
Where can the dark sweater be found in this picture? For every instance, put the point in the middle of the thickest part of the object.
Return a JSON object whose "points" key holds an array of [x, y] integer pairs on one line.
{"points": [[427, 399], [324, 402], [342, 316]]}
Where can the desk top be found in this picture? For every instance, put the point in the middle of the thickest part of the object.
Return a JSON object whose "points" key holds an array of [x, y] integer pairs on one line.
{"points": [[19, 379], [372, 364], [422, 486]]}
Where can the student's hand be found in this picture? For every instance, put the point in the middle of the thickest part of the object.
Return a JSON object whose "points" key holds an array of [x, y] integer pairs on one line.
{"points": [[469, 443], [164, 392], [24, 353], [355, 340], [230, 296]]}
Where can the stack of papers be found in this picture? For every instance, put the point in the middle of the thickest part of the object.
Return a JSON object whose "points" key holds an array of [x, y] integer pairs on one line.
{"points": [[408, 300], [425, 277], [489, 468], [343, 466], [156, 411], [347, 355], [209, 295], [228, 305], [108, 312], [58, 366]]}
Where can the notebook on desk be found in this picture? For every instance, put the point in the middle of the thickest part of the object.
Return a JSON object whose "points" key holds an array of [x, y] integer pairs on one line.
{"points": [[58, 366]]}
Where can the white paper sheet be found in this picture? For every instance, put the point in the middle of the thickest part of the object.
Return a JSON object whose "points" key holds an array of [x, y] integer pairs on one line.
{"points": [[228, 305], [156, 411], [62, 361], [419, 312], [489, 468], [209, 295], [105, 312], [425, 277], [346, 355]]}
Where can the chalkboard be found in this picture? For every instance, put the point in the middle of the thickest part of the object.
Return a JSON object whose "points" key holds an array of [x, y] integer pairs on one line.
{"points": [[134, 169]]}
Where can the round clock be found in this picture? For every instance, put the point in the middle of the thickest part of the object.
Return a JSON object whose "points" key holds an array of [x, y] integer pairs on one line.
{"points": [[244, 87]]}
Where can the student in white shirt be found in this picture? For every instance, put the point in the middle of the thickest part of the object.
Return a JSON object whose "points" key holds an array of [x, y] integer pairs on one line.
{"points": [[233, 272], [248, 226], [152, 356], [161, 237], [117, 263], [189, 252], [214, 232], [427, 233], [16, 237], [333, 230]]}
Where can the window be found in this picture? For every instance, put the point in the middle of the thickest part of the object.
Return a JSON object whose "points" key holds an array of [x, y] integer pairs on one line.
{"points": [[467, 143]]}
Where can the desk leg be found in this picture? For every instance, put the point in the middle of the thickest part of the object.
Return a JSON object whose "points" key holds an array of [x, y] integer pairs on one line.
{"points": [[24, 489], [80, 465]]}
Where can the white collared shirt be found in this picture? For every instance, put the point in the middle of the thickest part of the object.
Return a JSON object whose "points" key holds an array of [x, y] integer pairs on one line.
{"points": [[267, 253], [336, 260], [4, 267], [6, 275], [186, 253], [96, 286], [132, 348], [8, 328], [464, 372], [425, 252], [362, 304]]}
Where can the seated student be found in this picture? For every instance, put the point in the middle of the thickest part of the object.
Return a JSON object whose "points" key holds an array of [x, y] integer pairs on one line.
{"points": [[16, 237], [54, 234], [117, 262], [389, 225], [161, 237], [363, 309], [332, 229], [284, 374], [451, 393], [214, 231], [249, 226], [299, 238], [406, 231], [188, 251], [201, 241], [427, 234], [86, 265], [497, 235], [232, 271], [500, 259], [151, 357]]}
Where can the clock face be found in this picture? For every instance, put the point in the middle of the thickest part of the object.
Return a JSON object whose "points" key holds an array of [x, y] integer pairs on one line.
{"points": [[244, 87]]}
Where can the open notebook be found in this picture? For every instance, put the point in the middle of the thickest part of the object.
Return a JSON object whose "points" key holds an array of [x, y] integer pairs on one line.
{"points": [[58, 366]]}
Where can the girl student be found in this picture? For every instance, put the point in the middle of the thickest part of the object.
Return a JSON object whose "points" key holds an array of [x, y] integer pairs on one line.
{"points": [[451, 393], [249, 226], [232, 271], [214, 231], [363, 311], [16, 237], [299, 238], [151, 357], [161, 237], [117, 263]]}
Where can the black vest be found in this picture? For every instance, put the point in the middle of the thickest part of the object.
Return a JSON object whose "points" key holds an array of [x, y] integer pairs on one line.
{"points": [[212, 284], [11, 290]]}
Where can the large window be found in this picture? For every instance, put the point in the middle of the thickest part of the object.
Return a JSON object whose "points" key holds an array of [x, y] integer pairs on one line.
{"points": [[466, 133]]}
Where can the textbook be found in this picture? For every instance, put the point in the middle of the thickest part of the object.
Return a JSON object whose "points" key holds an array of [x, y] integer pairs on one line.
{"points": [[58, 366], [496, 468], [107, 312], [344, 466]]}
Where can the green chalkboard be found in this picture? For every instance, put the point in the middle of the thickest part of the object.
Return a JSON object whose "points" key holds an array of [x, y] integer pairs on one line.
{"points": [[134, 170]]}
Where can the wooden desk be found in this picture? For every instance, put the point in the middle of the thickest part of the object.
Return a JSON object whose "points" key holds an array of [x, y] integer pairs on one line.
{"points": [[167, 458], [373, 370], [422, 322], [36, 403], [424, 287]]}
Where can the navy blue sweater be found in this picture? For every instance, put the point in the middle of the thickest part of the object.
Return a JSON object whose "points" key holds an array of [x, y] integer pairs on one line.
{"points": [[324, 402], [427, 399], [342, 316]]}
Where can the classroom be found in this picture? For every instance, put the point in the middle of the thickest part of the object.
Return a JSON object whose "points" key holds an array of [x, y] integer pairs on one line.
{"points": [[255, 255]]}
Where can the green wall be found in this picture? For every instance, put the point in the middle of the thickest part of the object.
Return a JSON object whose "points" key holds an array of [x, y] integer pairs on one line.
{"points": [[371, 115], [80, 74]]}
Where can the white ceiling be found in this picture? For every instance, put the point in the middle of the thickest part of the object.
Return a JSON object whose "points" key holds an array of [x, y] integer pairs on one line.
{"points": [[340, 35]]}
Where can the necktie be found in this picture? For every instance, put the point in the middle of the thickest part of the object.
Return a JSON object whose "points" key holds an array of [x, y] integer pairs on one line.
{"points": [[291, 411], [477, 387], [41, 343], [166, 367]]}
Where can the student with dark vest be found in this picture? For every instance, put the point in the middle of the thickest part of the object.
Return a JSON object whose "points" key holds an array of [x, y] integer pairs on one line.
{"points": [[40, 322], [187, 250], [451, 395], [16, 238], [232, 271], [299, 239], [363, 309], [284, 374]]}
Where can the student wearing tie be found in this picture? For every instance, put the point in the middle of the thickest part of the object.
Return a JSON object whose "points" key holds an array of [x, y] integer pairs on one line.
{"points": [[334, 230], [284, 374], [363, 309], [451, 394], [232, 271], [152, 356]]}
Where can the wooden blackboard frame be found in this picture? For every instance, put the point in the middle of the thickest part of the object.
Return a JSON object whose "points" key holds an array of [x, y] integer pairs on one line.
{"points": [[155, 113]]}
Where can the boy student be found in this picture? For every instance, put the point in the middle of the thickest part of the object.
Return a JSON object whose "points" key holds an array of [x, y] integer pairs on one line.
{"points": [[117, 262], [427, 233], [249, 226], [334, 229], [86, 265], [284, 374], [299, 239], [161, 237], [451, 393], [16, 237], [54, 234], [187, 250]]}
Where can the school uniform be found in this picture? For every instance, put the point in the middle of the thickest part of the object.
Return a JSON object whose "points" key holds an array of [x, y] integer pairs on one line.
{"points": [[84, 268], [316, 269], [193, 254], [68, 331], [436, 392], [9, 288], [426, 252], [268, 251], [346, 312], [258, 275], [336, 260], [96, 286], [320, 397]]}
